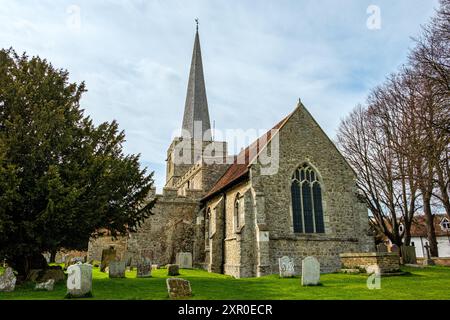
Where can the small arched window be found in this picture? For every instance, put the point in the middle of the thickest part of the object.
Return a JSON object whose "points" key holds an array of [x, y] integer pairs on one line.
{"points": [[237, 213], [306, 195]]}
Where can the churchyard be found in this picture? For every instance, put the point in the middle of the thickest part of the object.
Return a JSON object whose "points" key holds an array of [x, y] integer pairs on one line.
{"points": [[429, 283]]}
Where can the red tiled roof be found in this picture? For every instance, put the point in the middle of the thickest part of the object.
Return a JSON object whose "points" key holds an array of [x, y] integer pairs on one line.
{"points": [[238, 171], [419, 227]]}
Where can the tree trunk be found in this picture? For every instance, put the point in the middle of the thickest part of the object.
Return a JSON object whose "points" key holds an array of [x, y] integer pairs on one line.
{"points": [[431, 235], [52, 256], [407, 237], [23, 264]]}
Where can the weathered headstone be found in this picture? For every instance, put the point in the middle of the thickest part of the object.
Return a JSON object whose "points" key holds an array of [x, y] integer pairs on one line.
{"points": [[184, 260], [127, 258], [79, 280], [47, 256], [155, 266], [178, 288], [310, 271], [7, 280], [108, 255], [286, 266], [117, 269], [144, 268], [173, 270], [48, 285], [408, 255]]}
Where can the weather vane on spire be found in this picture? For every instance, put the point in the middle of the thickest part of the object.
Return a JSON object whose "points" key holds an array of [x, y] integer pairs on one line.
{"points": [[196, 21]]}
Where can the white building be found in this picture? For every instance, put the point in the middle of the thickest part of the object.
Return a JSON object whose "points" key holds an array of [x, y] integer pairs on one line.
{"points": [[442, 230]]}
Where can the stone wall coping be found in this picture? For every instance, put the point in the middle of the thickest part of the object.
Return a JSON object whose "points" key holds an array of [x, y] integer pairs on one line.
{"points": [[367, 254]]}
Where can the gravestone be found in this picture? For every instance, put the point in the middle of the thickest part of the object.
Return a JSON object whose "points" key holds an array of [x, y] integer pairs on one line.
{"points": [[310, 271], [117, 269], [8, 280], [108, 255], [173, 270], [155, 266], [144, 268], [178, 288], [184, 260], [127, 258], [382, 248], [408, 255], [286, 266], [48, 285], [79, 280]]}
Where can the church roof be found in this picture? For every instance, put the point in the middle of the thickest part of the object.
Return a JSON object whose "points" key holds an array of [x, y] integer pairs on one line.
{"points": [[238, 170], [196, 106]]}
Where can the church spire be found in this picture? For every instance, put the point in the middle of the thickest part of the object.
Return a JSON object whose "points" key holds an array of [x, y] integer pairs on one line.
{"points": [[196, 116]]}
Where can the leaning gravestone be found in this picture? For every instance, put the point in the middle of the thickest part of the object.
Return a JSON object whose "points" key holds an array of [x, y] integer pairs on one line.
{"points": [[310, 271], [184, 260], [144, 268], [117, 269], [178, 288], [79, 280], [286, 266], [7, 281], [48, 285], [108, 255], [173, 270]]}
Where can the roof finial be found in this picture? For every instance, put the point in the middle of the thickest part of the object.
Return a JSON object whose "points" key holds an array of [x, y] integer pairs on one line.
{"points": [[196, 21]]}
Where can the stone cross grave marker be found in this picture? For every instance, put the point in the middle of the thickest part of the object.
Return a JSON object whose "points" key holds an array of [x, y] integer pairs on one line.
{"points": [[8, 280], [79, 280], [178, 288], [117, 269], [428, 261], [286, 266], [310, 271], [184, 260]]}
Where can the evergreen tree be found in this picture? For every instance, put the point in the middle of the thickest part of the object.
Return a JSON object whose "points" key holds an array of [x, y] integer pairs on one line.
{"points": [[61, 177]]}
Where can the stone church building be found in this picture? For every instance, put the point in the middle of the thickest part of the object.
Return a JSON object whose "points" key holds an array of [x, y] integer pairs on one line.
{"points": [[238, 214]]}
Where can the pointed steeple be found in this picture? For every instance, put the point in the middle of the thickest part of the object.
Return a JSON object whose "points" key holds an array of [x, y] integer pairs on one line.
{"points": [[196, 115]]}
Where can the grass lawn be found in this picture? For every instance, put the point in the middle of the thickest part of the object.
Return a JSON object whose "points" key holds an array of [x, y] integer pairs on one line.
{"points": [[430, 283]]}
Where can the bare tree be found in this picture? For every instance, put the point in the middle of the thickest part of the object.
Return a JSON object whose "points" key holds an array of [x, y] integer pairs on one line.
{"points": [[372, 142]]}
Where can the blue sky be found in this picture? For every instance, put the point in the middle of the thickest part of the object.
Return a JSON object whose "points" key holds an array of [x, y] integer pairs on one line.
{"points": [[259, 57]]}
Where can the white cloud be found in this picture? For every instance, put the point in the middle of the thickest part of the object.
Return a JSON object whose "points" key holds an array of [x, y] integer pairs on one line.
{"points": [[259, 58]]}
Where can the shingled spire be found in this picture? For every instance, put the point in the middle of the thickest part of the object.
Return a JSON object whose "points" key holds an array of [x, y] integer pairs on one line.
{"points": [[196, 116]]}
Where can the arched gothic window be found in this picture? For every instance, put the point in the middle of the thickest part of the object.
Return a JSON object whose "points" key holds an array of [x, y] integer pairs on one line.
{"points": [[306, 195], [237, 212]]}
